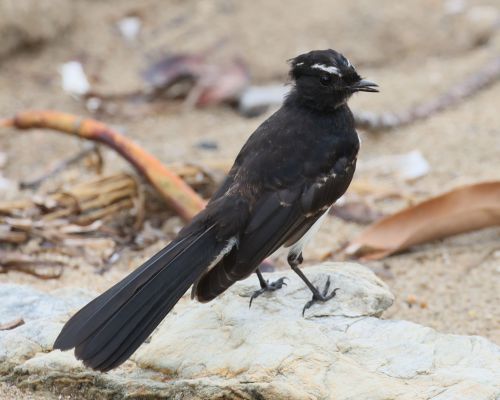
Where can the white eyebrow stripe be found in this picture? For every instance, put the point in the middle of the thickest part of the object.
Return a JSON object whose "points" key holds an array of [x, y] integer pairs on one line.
{"points": [[326, 68]]}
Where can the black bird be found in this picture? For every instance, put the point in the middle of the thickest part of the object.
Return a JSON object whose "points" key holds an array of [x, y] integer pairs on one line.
{"points": [[289, 172]]}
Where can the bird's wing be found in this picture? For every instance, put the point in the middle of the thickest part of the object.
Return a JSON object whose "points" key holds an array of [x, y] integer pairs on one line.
{"points": [[279, 217]]}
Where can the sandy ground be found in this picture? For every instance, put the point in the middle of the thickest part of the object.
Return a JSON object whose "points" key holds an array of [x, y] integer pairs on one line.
{"points": [[414, 52]]}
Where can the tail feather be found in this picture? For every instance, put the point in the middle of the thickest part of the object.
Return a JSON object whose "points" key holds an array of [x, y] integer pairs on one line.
{"points": [[158, 295], [110, 328], [99, 310], [136, 338]]}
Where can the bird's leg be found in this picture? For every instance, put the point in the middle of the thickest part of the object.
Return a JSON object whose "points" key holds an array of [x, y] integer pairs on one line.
{"points": [[294, 261], [265, 286]]}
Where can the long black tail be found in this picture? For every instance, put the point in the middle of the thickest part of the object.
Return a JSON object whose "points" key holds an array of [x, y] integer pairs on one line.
{"points": [[110, 328]]}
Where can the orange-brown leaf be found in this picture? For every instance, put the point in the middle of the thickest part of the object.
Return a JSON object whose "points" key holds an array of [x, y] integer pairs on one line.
{"points": [[461, 210]]}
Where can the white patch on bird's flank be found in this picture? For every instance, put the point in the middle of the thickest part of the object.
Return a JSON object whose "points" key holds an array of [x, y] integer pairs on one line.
{"points": [[227, 248], [299, 64], [326, 68], [359, 138], [297, 247]]}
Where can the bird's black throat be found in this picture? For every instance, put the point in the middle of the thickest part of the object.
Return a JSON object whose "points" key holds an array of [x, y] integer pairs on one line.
{"points": [[323, 103]]}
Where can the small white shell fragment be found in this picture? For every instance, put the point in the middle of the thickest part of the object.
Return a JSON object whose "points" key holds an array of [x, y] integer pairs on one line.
{"points": [[408, 166], [74, 80], [93, 104], [130, 27], [454, 6], [413, 165], [5, 184]]}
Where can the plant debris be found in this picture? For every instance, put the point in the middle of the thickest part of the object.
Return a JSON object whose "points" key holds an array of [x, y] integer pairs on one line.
{"points": [[194, 79], [41, 265], [12, 324], [478, 80], [205, 82], [62, 166], [80, 209], [89, 223], [177, 193], [79, 225]]}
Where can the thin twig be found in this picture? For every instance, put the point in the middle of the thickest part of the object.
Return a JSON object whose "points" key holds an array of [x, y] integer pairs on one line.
{"points": [[7, 123], [36, 265], [479, 80], [12, 324], [481, 260], [61, 166]]}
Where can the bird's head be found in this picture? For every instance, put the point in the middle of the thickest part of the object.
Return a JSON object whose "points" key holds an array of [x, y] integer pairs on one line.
{"points": [[325, 79]]}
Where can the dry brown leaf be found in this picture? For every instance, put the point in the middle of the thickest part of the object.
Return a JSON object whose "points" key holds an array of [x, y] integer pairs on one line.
{"points": [[461, 210]]}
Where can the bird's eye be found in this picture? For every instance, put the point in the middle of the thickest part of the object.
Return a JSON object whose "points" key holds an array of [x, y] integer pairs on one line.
{"points": [[325, 80]]}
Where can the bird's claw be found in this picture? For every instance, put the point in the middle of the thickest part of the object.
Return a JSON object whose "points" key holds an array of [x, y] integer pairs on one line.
{"points": [[320, 297], [269, 287]]}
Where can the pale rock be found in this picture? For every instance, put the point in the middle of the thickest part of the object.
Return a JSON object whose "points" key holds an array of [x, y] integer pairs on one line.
{"points": [[226, 350], [43, 315], [30, 304]]}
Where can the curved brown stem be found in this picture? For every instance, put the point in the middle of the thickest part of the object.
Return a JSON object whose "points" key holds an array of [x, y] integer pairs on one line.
{"points": [[179, 196]]}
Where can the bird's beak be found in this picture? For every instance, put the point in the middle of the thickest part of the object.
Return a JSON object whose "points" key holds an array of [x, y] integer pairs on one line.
{"points": [[364, 85]]}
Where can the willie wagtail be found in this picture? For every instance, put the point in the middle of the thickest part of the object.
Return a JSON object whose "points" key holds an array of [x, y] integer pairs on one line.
{"points": [[286, 176]]}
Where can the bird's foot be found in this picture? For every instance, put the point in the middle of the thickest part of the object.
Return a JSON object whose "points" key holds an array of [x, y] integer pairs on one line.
{"points": [[268, 287], [320, 297]]}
